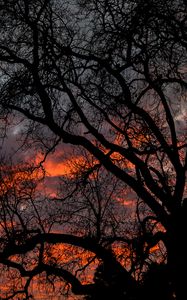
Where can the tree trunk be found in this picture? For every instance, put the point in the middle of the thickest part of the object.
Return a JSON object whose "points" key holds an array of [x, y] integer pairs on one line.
{"points": [[177, 258]]}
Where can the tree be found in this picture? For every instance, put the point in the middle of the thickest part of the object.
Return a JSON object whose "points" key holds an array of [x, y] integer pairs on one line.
{"points": [[55, 240], [155, 282], [108, 76]]}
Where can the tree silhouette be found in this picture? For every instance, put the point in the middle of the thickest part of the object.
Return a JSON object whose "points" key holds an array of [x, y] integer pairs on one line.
{"points": [[156, 282], [30, 229], [108, 76]]}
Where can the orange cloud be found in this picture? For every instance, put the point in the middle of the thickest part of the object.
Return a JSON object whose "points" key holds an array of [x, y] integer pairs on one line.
{"points": [[57, 168], [57, 165]]}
